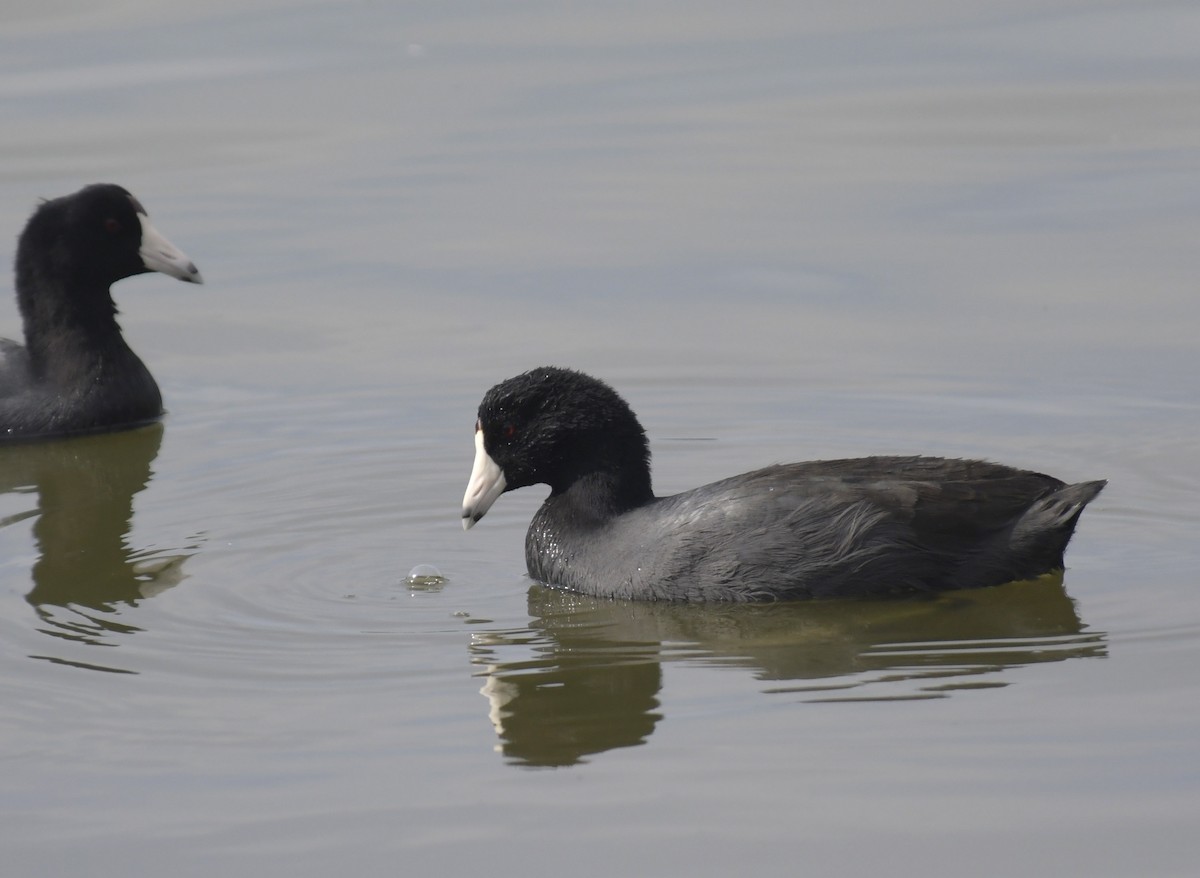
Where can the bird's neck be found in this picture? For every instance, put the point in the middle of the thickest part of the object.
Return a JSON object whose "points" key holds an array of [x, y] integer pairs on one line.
{"points": [[69, 325], [602, 494]]}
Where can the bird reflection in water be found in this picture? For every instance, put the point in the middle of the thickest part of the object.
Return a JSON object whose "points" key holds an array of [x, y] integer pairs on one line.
{"points": [[585, 675], [85, 569]]}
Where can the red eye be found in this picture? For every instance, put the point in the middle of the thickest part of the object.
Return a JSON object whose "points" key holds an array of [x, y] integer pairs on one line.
{"points": [[509, 431], [112, 226]]}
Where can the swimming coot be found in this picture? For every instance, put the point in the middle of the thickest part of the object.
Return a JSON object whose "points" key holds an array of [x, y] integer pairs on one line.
{"points": [[871, 526], [75, 373]]}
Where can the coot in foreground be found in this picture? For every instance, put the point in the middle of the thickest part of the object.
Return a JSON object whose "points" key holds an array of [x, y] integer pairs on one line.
{"points": [[75, 373], [832, 528]]}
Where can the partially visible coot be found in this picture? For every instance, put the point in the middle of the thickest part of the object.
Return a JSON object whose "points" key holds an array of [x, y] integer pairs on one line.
{"points": [[836, 528], [75, 373]]}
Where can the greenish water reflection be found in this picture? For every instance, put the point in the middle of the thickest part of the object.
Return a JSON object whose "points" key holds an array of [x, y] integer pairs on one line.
{"points": [[86, 568], [585, 675]]}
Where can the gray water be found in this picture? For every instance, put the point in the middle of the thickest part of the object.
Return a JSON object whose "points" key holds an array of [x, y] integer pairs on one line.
{"points": [[782, 232]]}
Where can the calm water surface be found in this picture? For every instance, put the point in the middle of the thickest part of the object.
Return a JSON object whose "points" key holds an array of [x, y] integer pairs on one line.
{"points": [[782, 233]]}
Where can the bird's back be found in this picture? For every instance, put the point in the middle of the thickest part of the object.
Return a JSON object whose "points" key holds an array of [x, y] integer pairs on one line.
{"points": [[857, 527]]}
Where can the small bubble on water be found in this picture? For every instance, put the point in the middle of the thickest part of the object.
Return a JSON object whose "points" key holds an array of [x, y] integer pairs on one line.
{"points": [[425, 577]]}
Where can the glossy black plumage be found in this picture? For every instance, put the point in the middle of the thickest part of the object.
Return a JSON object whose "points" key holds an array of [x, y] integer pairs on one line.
{"points": [[868, 526], [75, 372]]}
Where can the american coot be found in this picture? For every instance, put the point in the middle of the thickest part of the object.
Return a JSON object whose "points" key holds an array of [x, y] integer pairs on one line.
{"points": [[872, 526], [75, 373]]}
